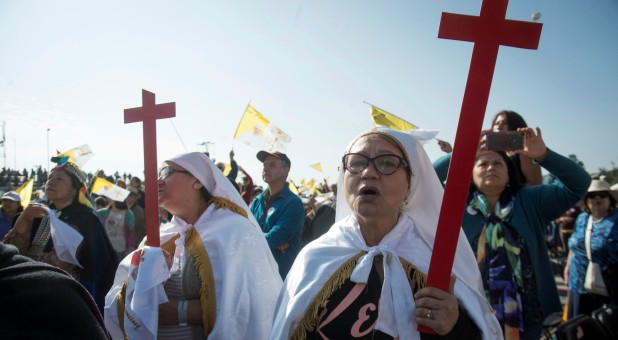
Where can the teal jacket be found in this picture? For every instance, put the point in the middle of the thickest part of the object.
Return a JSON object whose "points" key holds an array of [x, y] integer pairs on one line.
{"points": [[282, 221], [534, 208]]}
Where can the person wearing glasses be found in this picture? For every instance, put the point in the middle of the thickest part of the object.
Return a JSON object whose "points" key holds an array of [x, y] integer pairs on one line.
{"points": [[221, 279], [599, 207], [505, 221], [365, 277]]}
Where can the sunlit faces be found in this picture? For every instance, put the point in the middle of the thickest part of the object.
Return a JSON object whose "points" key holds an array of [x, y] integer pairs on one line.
{"points": [[490, 172], [10, 206], [501, 123], [174, 187], [371, 194], [598, 202], [59, 188], [275, 170]]}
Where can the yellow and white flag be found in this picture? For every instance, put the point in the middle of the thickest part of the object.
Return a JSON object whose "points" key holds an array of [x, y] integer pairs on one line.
{"points": [[78, 155], [293, 188], [257, 131], [317, 166], [383, 118], [25, 192], [106, 188]]}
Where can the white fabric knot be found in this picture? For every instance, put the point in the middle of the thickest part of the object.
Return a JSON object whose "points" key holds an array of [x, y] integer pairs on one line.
{"points": [[396, 300], [365, 263]]}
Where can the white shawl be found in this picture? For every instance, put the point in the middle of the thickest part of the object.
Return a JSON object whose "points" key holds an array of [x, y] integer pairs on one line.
{"points": [[246, 275], [412, 239]]}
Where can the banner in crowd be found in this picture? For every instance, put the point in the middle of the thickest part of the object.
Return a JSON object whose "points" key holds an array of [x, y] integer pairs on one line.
{"points": [[25, 192], [317, 166], [106, 188], [78, 155], [383, 118], [257, 131]]}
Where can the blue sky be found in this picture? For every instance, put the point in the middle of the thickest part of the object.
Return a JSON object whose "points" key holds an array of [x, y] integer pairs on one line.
{"points": [[308, 66]]}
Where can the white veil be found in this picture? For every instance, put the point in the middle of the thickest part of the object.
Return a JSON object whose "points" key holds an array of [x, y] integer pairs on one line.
{"points": [[202, 168], [424, 199]]}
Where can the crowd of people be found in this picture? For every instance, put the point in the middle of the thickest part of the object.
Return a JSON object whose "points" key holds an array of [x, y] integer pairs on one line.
{"points": [[239, 261]]}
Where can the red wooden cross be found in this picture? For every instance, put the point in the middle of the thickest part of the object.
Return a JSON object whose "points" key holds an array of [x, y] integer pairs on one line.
{"points": [[149, 113], [487, 31]]}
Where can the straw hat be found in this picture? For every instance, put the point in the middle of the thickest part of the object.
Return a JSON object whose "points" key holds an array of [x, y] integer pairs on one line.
{"points": [[601, 185]]}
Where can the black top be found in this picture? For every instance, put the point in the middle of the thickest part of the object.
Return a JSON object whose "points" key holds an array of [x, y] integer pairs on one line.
{"points": [[39, 301], [95, 254], [351, 312]]}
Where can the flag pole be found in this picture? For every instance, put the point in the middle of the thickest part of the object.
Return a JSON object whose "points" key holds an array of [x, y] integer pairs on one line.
{"points": [[378, 107]]}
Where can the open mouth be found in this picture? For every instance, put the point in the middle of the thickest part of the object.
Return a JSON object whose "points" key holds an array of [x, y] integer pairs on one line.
{"points": [[369, 192]]}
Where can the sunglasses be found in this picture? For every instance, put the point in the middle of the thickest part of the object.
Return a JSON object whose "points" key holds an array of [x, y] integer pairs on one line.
{"points": [[166, 171], [600, 194], [385, 164]]}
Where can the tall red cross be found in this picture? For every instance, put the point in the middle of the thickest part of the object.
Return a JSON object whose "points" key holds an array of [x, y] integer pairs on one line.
{"points": [[149, 113], [487, 31]]}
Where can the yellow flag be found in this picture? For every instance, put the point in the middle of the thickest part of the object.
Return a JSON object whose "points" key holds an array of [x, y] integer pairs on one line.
{"points": [[101, 183], [312, 190], [257, 131], [383, 118], [106, 188], [292, 188], [78, 155], [252, 122], [25, 192], [317, 166]]}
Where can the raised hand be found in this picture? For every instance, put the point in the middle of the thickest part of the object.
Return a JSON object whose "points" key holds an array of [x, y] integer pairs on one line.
{"points": [[534, 146]]}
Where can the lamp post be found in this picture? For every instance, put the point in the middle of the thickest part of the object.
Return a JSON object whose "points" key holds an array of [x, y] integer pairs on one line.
{"points": [[206, 147], [48, 150]]}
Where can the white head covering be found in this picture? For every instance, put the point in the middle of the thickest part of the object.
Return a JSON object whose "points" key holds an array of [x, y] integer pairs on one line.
{"points": [[412, 238], [202, 168], [424, 199], [425, 196], [239, 256]]}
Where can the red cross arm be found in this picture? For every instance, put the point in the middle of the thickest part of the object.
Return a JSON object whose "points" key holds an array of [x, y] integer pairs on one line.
{"points": [[148, 114], [510, 33], [149, 111]]}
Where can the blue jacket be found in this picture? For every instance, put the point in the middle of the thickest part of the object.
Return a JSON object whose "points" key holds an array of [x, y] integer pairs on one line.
{"points": [[535, 207], [282, 221], [5, 224], [603, 247]]}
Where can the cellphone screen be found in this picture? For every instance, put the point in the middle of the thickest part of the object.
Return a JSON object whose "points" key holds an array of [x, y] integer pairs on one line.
{"points": [[505, 141]]}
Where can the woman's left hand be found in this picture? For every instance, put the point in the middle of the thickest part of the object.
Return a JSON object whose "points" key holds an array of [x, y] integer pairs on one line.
{"points": [[437, 309], [534, 146]]}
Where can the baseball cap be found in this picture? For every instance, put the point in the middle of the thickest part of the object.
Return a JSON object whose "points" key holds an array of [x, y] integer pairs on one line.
{"points": [[262, 155], [12, 196]]}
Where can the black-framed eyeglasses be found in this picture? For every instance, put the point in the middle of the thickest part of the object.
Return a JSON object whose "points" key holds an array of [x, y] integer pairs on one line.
{"points": [[166, 171], [385, 164], [601, 194]]}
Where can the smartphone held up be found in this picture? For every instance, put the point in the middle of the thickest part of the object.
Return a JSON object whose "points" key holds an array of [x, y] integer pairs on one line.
{"points": [[505, 141]]}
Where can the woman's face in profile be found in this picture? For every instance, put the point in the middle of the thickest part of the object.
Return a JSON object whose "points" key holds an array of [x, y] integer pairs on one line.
{"points": [[370, 193], [59, 187], [174, 183]]}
